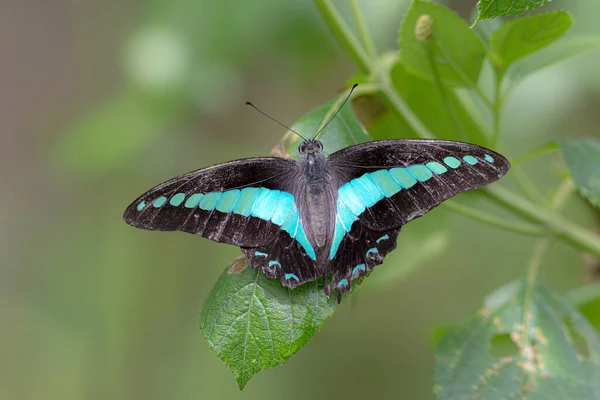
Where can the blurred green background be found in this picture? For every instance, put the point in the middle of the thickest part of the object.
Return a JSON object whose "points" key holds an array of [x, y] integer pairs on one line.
{"points": [[99, 101]]}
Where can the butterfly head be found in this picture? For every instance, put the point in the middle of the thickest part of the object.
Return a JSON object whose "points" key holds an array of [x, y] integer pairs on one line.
{"points": [[310, 147]]}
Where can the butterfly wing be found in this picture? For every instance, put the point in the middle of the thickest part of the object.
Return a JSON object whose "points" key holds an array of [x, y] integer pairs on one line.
{"points": [[382, 185], [243, 202]]}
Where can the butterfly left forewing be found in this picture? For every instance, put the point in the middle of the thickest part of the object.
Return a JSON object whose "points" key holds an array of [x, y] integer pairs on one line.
{"points": [[242, 202]]}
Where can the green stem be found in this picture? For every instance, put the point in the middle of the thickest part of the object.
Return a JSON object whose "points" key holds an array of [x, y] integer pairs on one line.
{"points": [[525, 229], [538, 151], [363, 30], [527, 186], [554, 222], [342, 33], [496, 111]]}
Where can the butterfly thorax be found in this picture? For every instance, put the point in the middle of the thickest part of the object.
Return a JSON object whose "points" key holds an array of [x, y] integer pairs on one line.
{"points": [[317, 202]]}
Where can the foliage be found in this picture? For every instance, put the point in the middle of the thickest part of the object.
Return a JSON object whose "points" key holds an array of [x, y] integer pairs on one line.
{"points": [[247, 314]]}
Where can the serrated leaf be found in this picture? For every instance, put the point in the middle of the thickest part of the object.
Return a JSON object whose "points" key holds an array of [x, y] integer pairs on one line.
{"points": [[582, 157], [566, 48], [254, 323], [501, 8], [556, 357], [443, 113], [523, 36], [455, 51], [343, 131]]}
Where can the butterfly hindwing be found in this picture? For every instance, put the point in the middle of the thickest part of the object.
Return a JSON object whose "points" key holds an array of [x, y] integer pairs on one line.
{"points": [[285, 259], [244, 202], [360, 251]]}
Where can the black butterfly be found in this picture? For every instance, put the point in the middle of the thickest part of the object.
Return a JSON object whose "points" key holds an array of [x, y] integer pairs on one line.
{"points": [[319, 216]]}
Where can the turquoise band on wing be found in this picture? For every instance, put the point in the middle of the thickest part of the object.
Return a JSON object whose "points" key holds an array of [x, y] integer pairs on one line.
{"points": [[365, 191], [270, 205]]}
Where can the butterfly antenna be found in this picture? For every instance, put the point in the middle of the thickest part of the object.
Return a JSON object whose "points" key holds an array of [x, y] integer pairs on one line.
{"points": [[336, 113], [274, 120]]}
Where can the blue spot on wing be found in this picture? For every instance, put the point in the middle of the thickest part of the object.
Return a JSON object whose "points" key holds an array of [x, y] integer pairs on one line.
{"points": [[284, 205], [452, 162], [351, 199], [228, 201], [177, 199], [470, 160], [338, 236], [403, 177], [367, 190], [291, 223], [372, 250], [489, 158], [358, 268], [260, 253], [384, 237], [272, 262], [343, 282], [141, 205], [303, 240], [210, 200], [386, 183], [160, 201], [291, 276], [246, 201], [193, 200], [421, 172], [265, 204]]}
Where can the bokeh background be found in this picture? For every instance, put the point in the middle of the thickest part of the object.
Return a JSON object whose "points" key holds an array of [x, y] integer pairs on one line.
{"points": [[101, 100]]}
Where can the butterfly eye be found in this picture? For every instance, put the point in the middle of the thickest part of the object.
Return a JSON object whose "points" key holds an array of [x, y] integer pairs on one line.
{"points": [[302, 148], [320, 145]]}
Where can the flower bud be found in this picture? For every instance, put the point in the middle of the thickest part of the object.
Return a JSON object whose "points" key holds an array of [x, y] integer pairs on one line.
{"points": [[424, 28]]}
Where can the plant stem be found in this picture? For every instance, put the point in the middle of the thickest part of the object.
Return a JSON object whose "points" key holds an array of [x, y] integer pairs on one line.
{"points": [[525, 229], [554, 222], [363, 30], [342, 33], [496, 110]]}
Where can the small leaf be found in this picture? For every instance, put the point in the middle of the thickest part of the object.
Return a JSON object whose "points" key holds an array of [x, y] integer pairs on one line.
{"points": [[523, 36], [343, 131], [254, 323], [557, 355], [455, 51], [443, 113], [566, 48], [587, 300], [501, 8], [583, 160]]}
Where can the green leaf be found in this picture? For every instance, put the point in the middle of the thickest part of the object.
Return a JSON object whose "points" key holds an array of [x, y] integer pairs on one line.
{"points": [[495, 356], [587, 300], [523, 36], [454, 51], [501, 8], [583, 160], [343, 131], [254, 323], [442, 112], [566, 48]]}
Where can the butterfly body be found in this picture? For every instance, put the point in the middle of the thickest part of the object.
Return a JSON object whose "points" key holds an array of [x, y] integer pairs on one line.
{"points": [[334, 216]]}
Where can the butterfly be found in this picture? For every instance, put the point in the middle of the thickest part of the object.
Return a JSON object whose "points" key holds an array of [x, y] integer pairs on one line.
{"points": [[334, 216]]}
